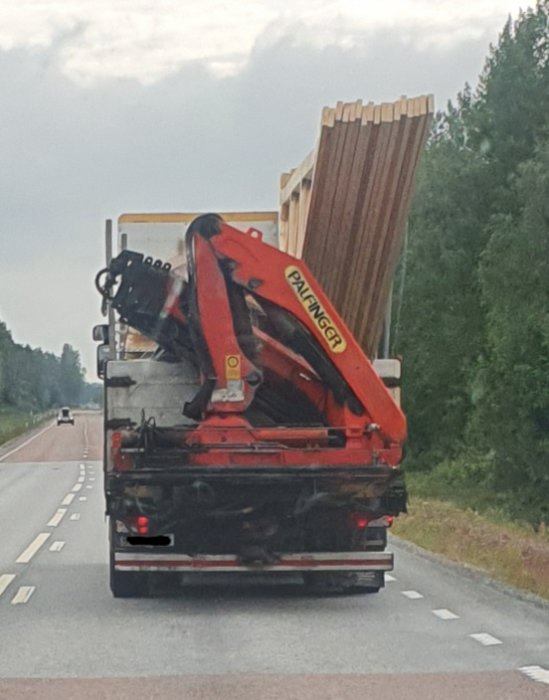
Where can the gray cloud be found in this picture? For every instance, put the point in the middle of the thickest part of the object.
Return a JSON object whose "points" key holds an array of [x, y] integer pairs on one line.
{"points": [[72, 156]]}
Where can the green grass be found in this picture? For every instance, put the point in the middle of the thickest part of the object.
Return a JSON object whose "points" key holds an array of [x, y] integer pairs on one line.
{"points": [[14, 423], [508, 550]]}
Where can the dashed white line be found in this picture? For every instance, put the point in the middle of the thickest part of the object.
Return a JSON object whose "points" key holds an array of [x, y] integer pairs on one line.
{"points": [[69, 498], [485, 639], [23, 595], [83, 498], [57, 546], [89, 487], [76, 488], [57, 517], [75, 516], [91, 478], [389, 578], [24, 444], [412, 595], [80, 480], [5, 580], [536, 673], [445, 614], [33, 547]]}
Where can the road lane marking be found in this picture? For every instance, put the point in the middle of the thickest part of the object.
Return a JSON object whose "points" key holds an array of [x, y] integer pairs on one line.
{"points": [[89, 487], [445, 614], [33, 547], [412, 595], [5, 580], [485, 639], [83, 498], [536, 673], [76, 488], [69, 498], [388, 577], [75, 516], [57, 546], [27, 442], [91, 478], [58, 517], [82, 466], [23, 595], [80, 480]]}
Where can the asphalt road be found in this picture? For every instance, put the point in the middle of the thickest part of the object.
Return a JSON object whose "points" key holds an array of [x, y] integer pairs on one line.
{"points": [[432, 633]]}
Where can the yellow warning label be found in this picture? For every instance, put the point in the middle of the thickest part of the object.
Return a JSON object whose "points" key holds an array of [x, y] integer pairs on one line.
{"points": [[330, 332], [232, 367]]}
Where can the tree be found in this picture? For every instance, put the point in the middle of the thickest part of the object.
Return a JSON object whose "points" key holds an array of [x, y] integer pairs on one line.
{"points": [[71, 375]]}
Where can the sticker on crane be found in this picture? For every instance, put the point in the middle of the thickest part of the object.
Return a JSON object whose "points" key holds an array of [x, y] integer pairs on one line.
{"points": [[333, 337], [232, 367]]}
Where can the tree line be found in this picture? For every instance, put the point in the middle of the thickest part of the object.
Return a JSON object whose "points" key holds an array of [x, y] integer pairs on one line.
{"points": [[34, 380], [471, 302]]}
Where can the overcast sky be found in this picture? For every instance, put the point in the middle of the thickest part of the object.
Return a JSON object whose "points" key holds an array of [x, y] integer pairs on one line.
{"points": [[111, 106]]}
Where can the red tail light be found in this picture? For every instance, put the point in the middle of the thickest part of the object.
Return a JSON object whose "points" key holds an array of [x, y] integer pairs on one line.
{"points": [[359, 521], [142, 523], [390, 520]]}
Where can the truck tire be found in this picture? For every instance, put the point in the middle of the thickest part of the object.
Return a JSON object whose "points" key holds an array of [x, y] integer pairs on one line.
{"points": [[126, 584], [345, 582]]}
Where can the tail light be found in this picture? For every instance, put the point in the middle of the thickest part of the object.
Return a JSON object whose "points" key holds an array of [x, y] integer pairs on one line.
{"points": [[359, 521], [120, 462], [390, 520], [142, 523]]}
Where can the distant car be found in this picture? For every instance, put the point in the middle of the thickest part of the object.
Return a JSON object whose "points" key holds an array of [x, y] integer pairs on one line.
{"points": [[65, 416]]}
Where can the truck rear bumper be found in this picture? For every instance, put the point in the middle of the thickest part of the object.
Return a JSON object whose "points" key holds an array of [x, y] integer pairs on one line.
{"points": [[302, 562]]}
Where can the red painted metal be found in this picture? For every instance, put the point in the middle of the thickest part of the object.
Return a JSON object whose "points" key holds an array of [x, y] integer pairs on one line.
{"points": [[287, 282]]}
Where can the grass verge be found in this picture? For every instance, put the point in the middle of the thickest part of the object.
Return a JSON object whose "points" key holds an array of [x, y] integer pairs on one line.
{"points": [[510, 552], [13, 424]]}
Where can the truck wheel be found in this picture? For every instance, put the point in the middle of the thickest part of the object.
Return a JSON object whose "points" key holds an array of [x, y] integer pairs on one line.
{"points": [[330, 583], [128, 584]]}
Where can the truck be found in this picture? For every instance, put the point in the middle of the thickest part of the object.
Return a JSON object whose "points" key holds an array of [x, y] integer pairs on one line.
{"points": [[245, 429]]}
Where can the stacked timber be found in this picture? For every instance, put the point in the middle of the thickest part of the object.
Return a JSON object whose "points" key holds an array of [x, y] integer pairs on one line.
{"points": [[344, 209]]}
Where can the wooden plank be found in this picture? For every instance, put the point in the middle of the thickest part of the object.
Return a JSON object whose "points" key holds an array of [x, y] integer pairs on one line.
{"points": [[293, 181]]}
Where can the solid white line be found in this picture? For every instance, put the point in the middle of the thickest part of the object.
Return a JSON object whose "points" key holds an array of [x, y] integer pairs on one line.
{"points": [[75, 516], [536, 673], [24, 444], [5, 581], [23, 595], [76, 487], [83, 498], [57, 546], [69, 498], [485, 639], [33, 547], [389, 578], [58, 517], [412, 595], [445, 614]]}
